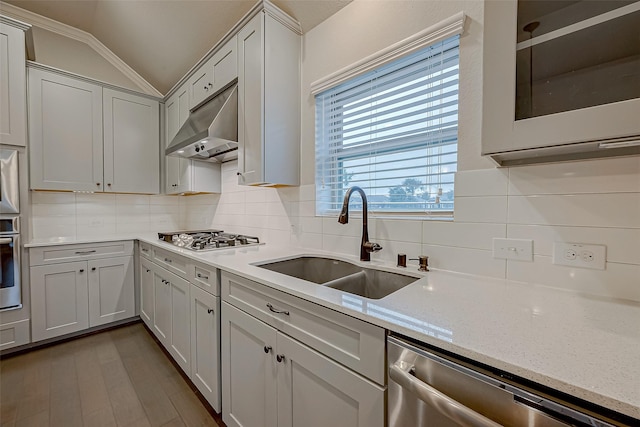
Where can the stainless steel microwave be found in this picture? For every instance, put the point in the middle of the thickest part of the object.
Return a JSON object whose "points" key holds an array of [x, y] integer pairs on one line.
{"points": [[9, 189]]}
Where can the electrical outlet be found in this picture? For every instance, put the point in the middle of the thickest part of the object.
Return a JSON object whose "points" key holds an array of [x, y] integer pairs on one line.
{"points": [[580, 255], [516, 249]]}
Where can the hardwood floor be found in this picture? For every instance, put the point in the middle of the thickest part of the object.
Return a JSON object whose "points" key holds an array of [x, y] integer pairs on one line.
{"points": [[115, 378]]}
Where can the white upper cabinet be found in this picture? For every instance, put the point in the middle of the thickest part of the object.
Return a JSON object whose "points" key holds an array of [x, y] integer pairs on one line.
{"points": [[131, 138], [184, 175], [68, 148], [65, 133], [13, 85], [269, 100], [215, 74], [176, 113], [560, 81]]}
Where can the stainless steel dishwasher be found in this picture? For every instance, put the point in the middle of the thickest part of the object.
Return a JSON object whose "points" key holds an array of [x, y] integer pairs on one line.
{"points": [[426, 389]]}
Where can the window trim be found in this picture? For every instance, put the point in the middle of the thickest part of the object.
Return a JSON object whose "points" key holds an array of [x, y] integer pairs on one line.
{"points": [[444, 29]]}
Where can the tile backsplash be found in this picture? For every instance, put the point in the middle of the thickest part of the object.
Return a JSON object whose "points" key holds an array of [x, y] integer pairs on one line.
{"points": [[595, 201]]}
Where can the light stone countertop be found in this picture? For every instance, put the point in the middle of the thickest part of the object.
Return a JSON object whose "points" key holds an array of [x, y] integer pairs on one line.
{"points": [[582, 345]]}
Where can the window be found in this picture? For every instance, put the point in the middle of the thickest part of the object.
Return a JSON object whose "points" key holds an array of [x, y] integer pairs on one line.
{"points": [[392, 131]]}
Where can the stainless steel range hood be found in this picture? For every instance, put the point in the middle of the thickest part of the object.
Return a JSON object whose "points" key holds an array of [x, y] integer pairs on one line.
{"points": [[211, 131]]}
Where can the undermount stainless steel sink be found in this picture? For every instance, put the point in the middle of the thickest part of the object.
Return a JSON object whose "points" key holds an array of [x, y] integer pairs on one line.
{"points": [[342, 275]]}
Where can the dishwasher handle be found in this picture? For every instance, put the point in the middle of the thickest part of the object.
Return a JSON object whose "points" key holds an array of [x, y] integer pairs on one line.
{"points": [[451, 408]]}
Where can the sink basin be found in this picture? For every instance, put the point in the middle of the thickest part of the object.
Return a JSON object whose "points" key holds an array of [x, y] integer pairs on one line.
{"points": [[342, 275], [370, 283], [313, 269]]}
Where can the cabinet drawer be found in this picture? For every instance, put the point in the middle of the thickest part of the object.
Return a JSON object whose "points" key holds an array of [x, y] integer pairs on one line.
{"points": [[352, 342], [205, 277], [66, 253], [145, 250], [170, 261]]}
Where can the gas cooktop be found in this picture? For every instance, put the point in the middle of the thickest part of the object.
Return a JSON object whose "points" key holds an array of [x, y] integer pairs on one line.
{"points": [[207, 240]]}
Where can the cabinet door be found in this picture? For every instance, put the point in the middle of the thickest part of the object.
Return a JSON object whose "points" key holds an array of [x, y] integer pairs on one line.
{"points": [[131, 143], [200, 84], [146, 293], [161, 305], [13, 87], [224, 65], [59, 299], [180, 336], [315, 391], [251, 101], [183, 183], [248, 371], [111, 293], [501, 132], [176, 113], [205, 345], [65, 128]]}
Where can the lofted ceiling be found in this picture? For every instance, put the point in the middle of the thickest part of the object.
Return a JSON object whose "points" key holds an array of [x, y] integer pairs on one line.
{"points": [[162, 39]]}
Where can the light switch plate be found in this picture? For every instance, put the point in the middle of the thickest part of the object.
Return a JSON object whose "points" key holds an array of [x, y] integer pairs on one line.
{"points": [[515, 249], [580, 255]]}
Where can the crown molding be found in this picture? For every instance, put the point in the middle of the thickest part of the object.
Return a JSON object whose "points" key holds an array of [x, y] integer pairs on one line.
{"points": [[447, 28], [81, 36]]}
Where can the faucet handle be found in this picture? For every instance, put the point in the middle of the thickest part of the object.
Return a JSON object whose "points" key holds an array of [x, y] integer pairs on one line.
{"points": [[372, 247]]}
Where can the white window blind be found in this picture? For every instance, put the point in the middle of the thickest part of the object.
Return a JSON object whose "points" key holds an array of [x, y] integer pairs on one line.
{"points": [[392, 131]]}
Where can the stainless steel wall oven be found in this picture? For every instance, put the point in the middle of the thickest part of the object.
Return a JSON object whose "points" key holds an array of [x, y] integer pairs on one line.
{"points": [[9, 189], [10, 293], [10, 290]]}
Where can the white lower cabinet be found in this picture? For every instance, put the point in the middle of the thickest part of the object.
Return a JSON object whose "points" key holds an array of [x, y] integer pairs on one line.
{"points": [[171, 319], [95, 289], [249, 370], [146, 293], [111, 294], [205, 345], [59, 299], [179, 303], [271, 379]]}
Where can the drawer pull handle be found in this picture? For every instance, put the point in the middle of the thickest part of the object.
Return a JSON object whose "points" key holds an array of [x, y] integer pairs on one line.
{"points": [[267, 348], [200, 276], [275, 310], [280, 358], [85, 252], [210, 310], [167, 260], [145, 250]]}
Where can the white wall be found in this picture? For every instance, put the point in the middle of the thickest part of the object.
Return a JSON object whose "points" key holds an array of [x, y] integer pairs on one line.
{"points": [[594, 201], [76, 57]]}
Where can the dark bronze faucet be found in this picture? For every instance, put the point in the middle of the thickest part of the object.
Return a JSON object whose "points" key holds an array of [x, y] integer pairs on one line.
{"points": [[366, 247]]}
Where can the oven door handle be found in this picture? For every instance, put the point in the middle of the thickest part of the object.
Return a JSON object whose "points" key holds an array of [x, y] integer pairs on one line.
{"points": [[6, 241], [451, 408]]}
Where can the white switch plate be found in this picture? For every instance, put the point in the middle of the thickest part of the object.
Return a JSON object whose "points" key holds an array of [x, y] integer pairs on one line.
{"points": [[517, 249], [580, 255]]}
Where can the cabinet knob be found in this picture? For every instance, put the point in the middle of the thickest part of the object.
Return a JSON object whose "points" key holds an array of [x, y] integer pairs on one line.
{"points": [[280, 358], [148, 270], [210, 310], [93, 269], [109, 184], [98, 184], [82, 270], [267, 348]]}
